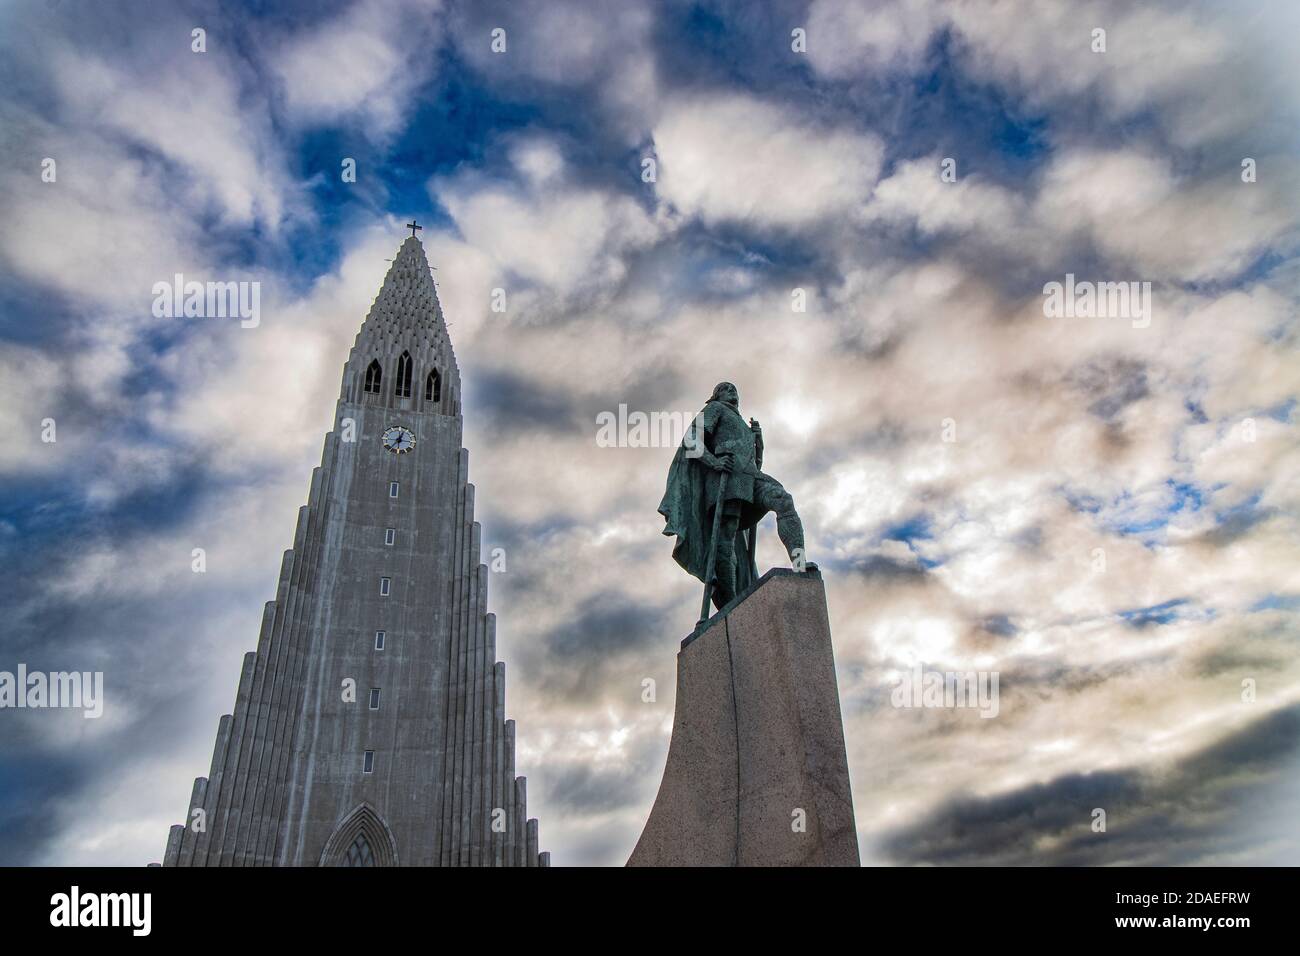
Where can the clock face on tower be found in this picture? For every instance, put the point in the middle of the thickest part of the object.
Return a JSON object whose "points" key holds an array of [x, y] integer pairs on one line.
{"points": [[399, 440]]}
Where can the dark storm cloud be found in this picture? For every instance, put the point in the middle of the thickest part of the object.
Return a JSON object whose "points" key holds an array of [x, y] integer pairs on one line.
{"points": [[41, 778], [652, 388], [1113, 383], [884, 568], [153, 670], [1203, 806], [1242, 662], [503, 402], [1030, 539], [704, 46], [528, 540], [1236, 524], [875, 439], [585, 789], [607, 626], [600, 650], [999, 625], [1048, 676], [32, 787]]}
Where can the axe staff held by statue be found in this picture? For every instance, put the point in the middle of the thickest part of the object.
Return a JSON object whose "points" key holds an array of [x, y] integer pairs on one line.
{"points": [[710, 577], [752, 536]]}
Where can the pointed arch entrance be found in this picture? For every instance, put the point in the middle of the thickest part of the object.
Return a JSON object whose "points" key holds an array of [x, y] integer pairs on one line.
{"points": [[361, 839]]}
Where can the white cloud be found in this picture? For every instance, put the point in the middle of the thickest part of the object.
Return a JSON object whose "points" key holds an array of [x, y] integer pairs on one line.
{"points": [[730, 157], [1199, 69], [366, 60], [846, 39], [916, 192], [566, 237], [28, 383], [190, 112], [567, 46], [1166, 227]]}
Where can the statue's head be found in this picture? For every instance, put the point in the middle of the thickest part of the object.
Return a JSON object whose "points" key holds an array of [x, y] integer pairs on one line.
{"points": [[725, 392]]}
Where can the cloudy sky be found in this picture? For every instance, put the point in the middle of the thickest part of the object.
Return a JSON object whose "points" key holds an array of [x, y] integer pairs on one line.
{"points": [[1102, 509]]}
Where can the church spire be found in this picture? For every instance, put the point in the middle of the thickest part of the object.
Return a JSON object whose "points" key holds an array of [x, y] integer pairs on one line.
{"points": [[406, 318], [408, 299]]}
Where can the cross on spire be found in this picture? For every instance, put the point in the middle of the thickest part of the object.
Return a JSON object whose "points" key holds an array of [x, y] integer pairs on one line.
{"points": [[413, 226]]}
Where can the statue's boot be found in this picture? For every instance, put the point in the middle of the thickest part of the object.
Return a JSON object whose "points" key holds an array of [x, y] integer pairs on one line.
{"points": [[790, 530]]}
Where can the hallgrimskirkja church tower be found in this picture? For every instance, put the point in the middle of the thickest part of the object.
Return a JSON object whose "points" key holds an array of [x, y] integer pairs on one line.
{"points": [[369, 725]]}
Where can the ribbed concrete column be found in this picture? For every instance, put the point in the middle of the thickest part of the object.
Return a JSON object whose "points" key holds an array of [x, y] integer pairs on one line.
{"points": [[463, 632], [455, 677], [212, 793], [255, 740], [521, 821], [487, 706], [271, 683], [468, 739], [532, 843], [447, 551], [512, 826], [188, 833], [173, 845], [289, 683], [498, 759], [221, 848]]}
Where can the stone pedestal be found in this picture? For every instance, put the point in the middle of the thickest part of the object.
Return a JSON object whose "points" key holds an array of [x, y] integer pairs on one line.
{"points": [[757, 773]]}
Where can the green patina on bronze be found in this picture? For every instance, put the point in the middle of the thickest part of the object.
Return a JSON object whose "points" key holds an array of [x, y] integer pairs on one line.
{"points": [[722, 456]]}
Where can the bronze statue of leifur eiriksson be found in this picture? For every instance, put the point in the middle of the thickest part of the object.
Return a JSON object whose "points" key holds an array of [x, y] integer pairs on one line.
{"points": [[716, 495]]}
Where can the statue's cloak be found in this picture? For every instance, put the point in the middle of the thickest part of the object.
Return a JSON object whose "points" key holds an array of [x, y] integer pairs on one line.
{"points": [[687, 507]]}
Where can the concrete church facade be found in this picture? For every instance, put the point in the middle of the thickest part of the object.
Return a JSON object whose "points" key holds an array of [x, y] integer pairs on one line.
{"points": [[369, 725]]}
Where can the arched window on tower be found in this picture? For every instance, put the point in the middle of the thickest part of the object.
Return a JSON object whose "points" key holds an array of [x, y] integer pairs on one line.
{"points": [[362, 839], [403, 388], [433, 387], [373, 375], [359, 853]]}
